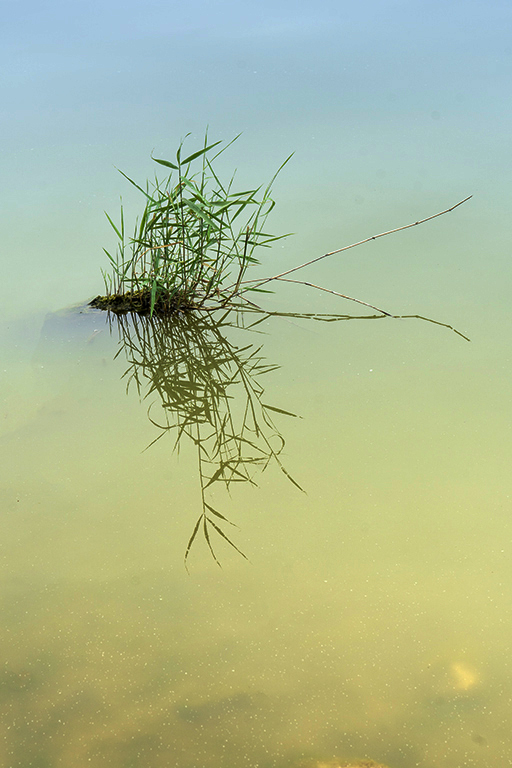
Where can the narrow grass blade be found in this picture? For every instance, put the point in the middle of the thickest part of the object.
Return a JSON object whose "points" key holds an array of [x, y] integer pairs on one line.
{"points": [[290, 478], [136, 186], [166, 163], [200, 152], [221, 533], [218, 514], [118, 233], [191, 540], [207, 537], [194, 207], [279, 410]]}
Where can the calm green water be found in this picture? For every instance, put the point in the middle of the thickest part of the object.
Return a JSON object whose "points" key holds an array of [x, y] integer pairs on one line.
{"points": [[373, 618]]}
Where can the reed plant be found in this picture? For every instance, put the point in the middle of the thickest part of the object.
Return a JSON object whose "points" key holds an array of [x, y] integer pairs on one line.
{"points": [[189, 255], [194, 241]]}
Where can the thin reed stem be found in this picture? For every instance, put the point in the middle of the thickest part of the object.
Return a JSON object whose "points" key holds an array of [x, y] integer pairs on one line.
{"points": [[259, 283]]}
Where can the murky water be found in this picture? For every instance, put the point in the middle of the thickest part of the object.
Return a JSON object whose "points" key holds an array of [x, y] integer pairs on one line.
{"points": [[372, 617]]}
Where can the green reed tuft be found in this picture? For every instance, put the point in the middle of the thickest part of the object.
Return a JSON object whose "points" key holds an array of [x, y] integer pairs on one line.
{"points": [[194, 242]]}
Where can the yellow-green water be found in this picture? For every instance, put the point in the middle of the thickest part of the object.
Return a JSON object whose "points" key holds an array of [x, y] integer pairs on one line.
{"points": [[374, 617]]}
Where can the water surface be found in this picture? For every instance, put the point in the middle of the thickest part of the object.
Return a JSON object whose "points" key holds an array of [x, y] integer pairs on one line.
{"points": [[372, 618]]}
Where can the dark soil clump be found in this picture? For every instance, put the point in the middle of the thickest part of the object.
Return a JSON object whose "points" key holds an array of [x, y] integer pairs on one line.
{"points": [[140, 302]]}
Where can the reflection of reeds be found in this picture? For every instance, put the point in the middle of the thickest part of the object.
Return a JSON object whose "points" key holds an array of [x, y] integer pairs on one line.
{"points": [[210, 391]]}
